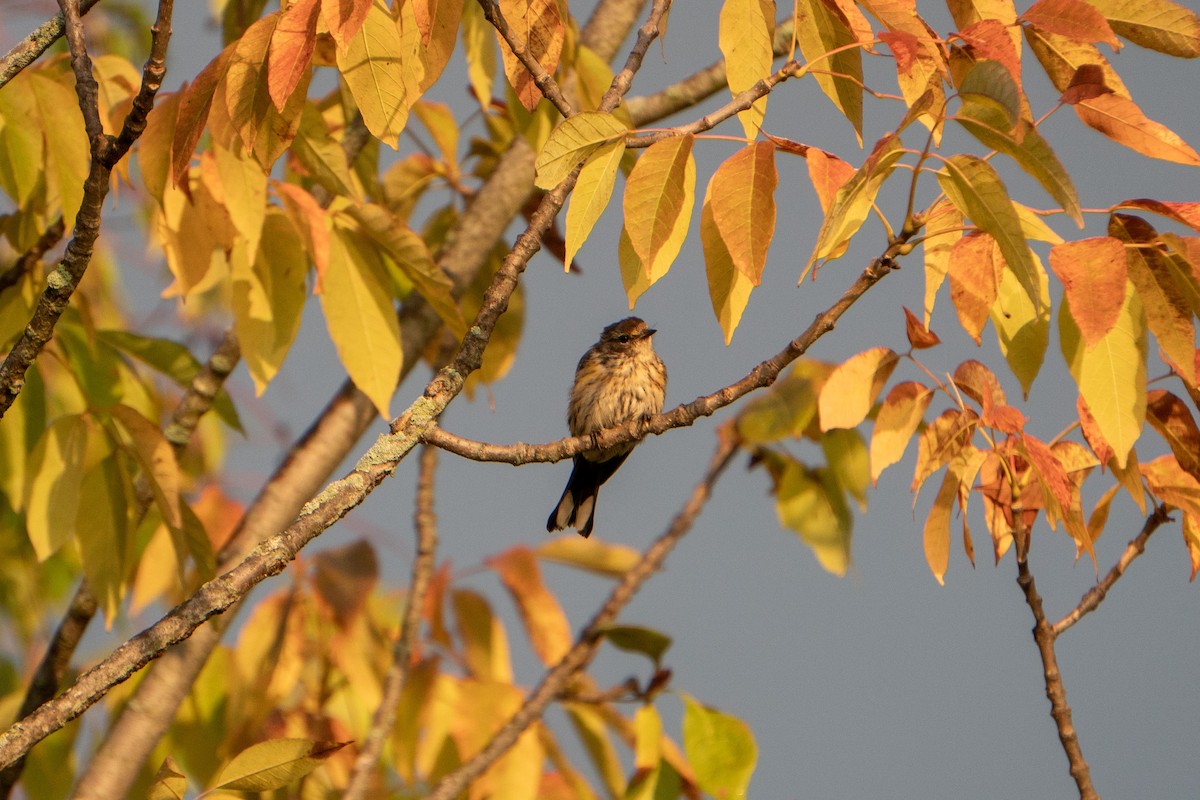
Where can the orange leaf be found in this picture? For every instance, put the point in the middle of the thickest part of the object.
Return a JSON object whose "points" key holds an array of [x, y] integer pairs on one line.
{"points": [[1182, 212], [308, 216], [538, 25], [904, 46], [1074, 19], [899, 415], [848, 394], [1171, 418], [1120, 119], [544, 620], [743, 206], [828, 173], [291, 50], [194, 104], [1091, 431], [991, 40], [1093, 274], [937, 527], [940, 442], [919, 336], [975, 267]]}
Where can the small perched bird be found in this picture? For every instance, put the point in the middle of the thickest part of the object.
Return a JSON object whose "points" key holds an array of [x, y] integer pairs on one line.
{"points": [[618, 379]]}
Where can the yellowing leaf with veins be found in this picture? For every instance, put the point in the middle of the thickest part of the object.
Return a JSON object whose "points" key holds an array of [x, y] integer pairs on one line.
{"points": [[538, 25], [1111, 374], [742, 199], [591, 195], [371, 64], [1120, 119], [1160, 25], [361, 319], [745, 32], [854, 199], [659, 195], [728, 287], [848, 394], [899, 416], [1022, 328], [1093, 275], [572, 142], [822, 28]]}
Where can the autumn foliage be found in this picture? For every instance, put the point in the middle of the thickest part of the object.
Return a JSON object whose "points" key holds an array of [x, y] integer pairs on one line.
{"points": [[282, 170]]}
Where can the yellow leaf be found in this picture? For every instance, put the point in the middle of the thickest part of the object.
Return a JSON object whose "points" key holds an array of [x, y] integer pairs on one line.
{"points": [[247, 95], [572, 142], [268, 298], [728, 287], [590, 727], [942, 231], [854, 200], [52, 491], [543, 617], [807, 506], [593, 555], [1023, 327], [902, 411], [648, 739], [104, 535], [977, 190], [820, 29], [741, 197], [1155, 24], [440, 37], [479, 46], [410, 53], [187, 241], [22, 146], [485, 645], [721, 749], [848, 394], [169, 783], [1112, 373], [156, 458], [361, 318], [745, 32], [539, 26], [1120, 119], [937, 527], [67, 156], [659, 195], [633, 276], [371, 64], [1061, 56], [274, 764], [591, 195], [244, 184]]}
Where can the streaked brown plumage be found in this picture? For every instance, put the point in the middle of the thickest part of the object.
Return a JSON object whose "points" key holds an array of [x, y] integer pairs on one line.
{"points": [[618, 379]]}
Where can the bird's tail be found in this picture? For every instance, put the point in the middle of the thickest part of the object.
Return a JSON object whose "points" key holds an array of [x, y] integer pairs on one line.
{"points": [[577, 506]]}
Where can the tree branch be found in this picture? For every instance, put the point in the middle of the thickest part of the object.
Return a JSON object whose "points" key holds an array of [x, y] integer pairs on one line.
{"points": [[762, 375], [584, 649], [33, 256], [1056, 693], [1095, 596], [542, 79], [30, 48], [425, 523]]}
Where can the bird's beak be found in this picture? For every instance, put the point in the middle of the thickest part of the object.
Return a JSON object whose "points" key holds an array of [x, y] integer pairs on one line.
{"points": [[649, 333]]}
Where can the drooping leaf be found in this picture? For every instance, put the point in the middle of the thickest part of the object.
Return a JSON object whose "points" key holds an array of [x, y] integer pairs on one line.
{"points": [[728, 287], [1121, 120], [53, 489], [1093, 275], [67, 156], [848, 394], [854, 200], [721, 749], [479, 46], [274, 764], [371, 63], [1023, 327], [659, 195], [1061, 58], [572, 142], [919, 335], [745, 32], [543, 617], [943, 229], [1074, 19], [539, 26], [821, 28], [194, 105], [1160, 25], [741, 198], [816, 511], [104, 534], [901, 413], [344, 18], [1112, 373], [1173, 421], [156, 458], [975, 267], [291, 49], [638, 639], [590, 197], [937, 527], [592, 555], [848, 463]]}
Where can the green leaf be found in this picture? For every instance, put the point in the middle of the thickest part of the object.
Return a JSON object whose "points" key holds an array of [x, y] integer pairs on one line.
{"points": [[637, 639], [720, 748], [572, 142], [274, 764], [977, 190], [104, 534], [55, 476], [808, 504], [849, 465]]}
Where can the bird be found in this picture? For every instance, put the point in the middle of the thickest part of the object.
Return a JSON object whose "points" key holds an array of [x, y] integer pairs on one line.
{"points": [[618, 379]]}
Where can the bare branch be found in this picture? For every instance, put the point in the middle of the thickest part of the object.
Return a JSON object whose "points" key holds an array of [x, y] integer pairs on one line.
{"points": [[30, 48], [610, 22], [425, 522], [542, 79], [764, 374], [584, 649], [33, 256], [1095, 596], [1043, 635]]}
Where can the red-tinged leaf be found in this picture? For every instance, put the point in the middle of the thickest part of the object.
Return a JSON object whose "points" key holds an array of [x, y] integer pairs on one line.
{"points": [[786, 145], [742, 195], [1091, 432], [1185, 213], [974, 270], [992, 40], [538, 24], [904, 46], [247, 98], [194, 104], [1171, 418], [937, 527], [848, 394], [828, 174], [1088, 82], [425, 12], [942, 441], [1050, 472], [1074, 19], [438, 47], [1171, 484], [659, 195], [979, 383], [291, 50], [899, 416], [543, 617], [919, 336], [929, 66], [1093, 274], [1120, 119], [1160, 25], [344, 18]]}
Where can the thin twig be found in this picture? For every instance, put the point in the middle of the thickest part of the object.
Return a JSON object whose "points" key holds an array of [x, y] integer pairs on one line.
{"points": [[38, 41], [543, 80], [33, 256], [1095, 596], [762, 375], [425, 523], [582, 652], [1056, 693]]}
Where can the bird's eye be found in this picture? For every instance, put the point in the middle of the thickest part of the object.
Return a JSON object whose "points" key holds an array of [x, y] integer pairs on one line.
{"points": [[623, 338]]}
